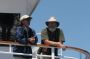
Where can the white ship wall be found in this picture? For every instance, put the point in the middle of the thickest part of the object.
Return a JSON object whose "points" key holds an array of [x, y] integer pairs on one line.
{"points": [[18, 6]]}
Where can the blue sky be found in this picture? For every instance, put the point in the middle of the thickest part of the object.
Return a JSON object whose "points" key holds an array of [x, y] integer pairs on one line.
{"points": [[74, 18]]}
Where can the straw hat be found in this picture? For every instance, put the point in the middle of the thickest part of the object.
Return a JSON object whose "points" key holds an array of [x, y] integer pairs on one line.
{"points": [[25, 17], [52, 19]]}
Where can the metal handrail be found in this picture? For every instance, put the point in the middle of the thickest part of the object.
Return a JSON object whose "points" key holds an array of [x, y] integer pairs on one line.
{"points": [[41, 45]]}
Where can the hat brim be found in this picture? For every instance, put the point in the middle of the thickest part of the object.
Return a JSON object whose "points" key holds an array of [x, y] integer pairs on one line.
{"points": [[57, 23], [29, 18]]}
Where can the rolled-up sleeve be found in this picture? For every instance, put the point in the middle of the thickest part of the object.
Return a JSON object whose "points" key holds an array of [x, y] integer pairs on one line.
{"points": [[61, 37], [44, 34]]}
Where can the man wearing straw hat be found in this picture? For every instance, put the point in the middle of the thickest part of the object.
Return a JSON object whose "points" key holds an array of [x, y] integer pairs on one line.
{"points": [[52, 36], [24, 35]]}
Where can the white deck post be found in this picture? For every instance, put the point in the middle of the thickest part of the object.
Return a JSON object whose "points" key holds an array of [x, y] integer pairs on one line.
{"points": [[53, 57], [61, 53], [10, 48]]}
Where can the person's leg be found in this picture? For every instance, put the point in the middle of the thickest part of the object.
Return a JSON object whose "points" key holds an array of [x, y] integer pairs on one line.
{"points": [[46, 53]]}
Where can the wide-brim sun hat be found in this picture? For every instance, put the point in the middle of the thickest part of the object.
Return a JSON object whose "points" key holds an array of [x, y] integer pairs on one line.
{"points": [[27, 17], [52, 19]]}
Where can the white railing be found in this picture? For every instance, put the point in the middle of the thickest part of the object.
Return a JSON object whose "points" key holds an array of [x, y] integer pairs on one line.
{"points": [[61, 56]]}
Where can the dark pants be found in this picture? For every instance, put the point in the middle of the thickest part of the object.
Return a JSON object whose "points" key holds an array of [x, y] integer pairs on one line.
{"points": [[49, 51], [22, 49]]}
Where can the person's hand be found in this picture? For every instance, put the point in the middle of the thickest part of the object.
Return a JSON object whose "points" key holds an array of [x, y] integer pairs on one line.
{"points": [[31, 40], [58, 44]]}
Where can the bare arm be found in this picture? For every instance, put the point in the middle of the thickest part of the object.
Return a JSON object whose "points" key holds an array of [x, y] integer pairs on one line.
{"points": [[57, 44]]}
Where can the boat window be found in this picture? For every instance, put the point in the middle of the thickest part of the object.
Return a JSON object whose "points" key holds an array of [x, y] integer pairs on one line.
{"points": [[8, 23]]}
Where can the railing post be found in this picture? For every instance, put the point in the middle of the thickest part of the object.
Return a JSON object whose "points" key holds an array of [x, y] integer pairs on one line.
{"points": [[53, 57], [10, 48], [80, 56], [61, 53], [41, 56]]}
